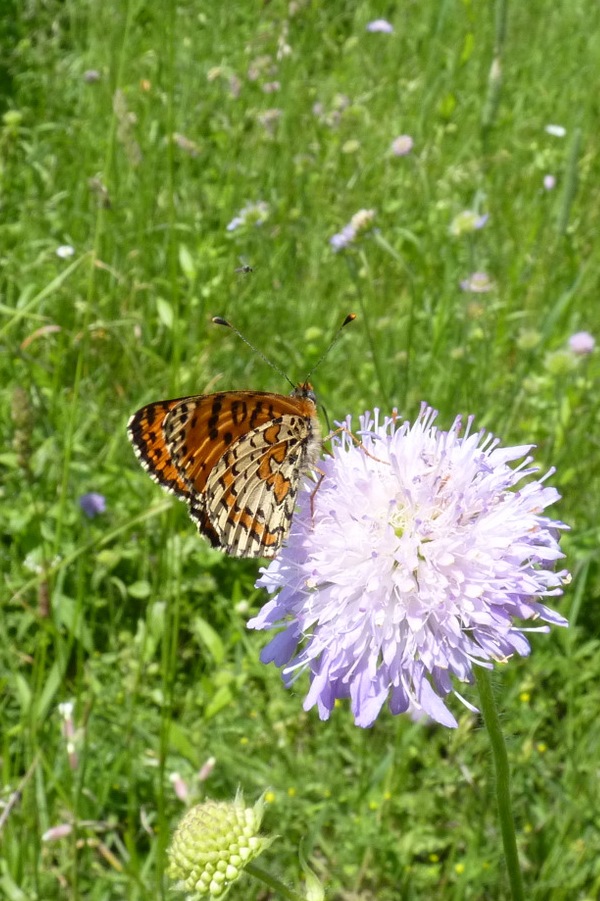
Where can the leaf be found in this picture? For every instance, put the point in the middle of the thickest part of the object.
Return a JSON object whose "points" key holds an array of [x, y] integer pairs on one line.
{"points": [[187, 264], [139, 590], [165, 312], [210, 639]]}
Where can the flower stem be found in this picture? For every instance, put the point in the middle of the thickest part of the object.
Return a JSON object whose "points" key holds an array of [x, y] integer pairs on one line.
{"points": [[501, 768], [282, 890]]}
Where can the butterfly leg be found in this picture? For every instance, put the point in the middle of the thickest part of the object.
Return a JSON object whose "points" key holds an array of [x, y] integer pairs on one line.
{"points": [[357, 442]]}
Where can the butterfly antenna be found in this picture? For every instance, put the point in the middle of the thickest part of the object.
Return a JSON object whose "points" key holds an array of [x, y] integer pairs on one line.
{"points": [[349, 318], [218, 320]]}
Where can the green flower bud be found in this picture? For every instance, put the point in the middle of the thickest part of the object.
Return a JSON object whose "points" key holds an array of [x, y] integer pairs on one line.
{"points": [[213, 843]]}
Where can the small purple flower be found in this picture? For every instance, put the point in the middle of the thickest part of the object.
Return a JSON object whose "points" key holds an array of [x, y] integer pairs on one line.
{"points": [[380, 25], [92, 504], [402, 145], [360, 223], [91, 76], [477, 283], [343, 239], [582, 343], [549, 182], [412, 559]]}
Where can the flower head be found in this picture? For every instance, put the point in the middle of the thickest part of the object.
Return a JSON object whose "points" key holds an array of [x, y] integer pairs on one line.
{"points": [[213, 843], [380, 25], [402, 145], [251, 214], [407, 563], [549, 182], [64, 251], [582, 343], [477, 283], [360, 223], [343, 239], [92, 504]]}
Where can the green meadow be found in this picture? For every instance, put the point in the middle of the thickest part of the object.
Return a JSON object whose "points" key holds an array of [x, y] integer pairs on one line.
{"points": [[164, 163]]}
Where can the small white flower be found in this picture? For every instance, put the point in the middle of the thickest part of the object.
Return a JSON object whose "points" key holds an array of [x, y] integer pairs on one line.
{"points": [[558, 131]]}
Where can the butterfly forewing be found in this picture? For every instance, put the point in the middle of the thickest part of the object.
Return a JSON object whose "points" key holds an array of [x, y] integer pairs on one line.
{"points": [[236, 457]]}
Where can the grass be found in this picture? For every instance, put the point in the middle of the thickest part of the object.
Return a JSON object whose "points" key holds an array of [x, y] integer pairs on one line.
{"points": [[130, 614]]}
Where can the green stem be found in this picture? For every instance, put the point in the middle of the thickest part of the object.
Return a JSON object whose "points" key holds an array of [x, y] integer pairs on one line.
{"points": [[502, 771], [273, 883]]}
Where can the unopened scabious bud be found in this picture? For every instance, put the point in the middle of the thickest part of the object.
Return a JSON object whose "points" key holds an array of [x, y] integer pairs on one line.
{"points": [[213, 843]]}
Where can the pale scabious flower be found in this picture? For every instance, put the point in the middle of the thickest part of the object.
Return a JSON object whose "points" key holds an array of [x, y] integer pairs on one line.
{"points": [[582, 343], [467, 221], [57, 832], [92, 504], [213, 843], [64, 251], [477, 283], [409, 561], [549, 182], [342, 239], [250, 214], [360, 223], [402, 145], [557, 131], [380, 25]]}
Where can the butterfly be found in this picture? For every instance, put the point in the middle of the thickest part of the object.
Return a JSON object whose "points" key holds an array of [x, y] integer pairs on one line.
{"points": [[237, 458]]}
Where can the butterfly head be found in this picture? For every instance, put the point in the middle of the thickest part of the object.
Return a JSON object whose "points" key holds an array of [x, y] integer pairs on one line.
{"points": [[305, 390]]}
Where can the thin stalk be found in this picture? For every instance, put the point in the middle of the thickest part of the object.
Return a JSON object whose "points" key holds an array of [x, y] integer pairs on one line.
{"points": [[502, 773]]}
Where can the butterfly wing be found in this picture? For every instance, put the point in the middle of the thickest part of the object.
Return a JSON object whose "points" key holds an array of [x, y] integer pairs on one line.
{"points": [[251, 492], [235, 457], [146, 432]]}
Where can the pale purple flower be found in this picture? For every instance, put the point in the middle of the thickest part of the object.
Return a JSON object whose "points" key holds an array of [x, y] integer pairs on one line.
{"points": [[380, 25], [343, 239], [557, 131], [411, 559], [467, 221], [57, 832], [402, 145], [477, 283], [582, 343], [91, 76], [250, 214], [360, 223], [549, 182], [92, 504]]}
